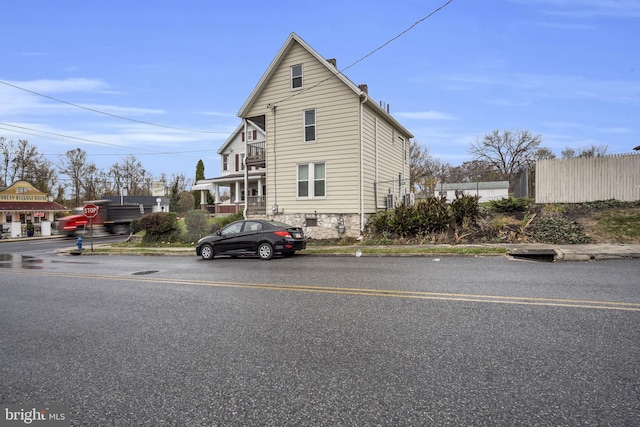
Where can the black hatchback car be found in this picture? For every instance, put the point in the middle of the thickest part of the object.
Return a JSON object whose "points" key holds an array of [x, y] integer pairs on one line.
{"points": [[253, 237]]}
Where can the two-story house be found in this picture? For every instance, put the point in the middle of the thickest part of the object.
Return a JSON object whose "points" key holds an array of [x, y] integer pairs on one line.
{"points": [[229, 188], [318, 151]]}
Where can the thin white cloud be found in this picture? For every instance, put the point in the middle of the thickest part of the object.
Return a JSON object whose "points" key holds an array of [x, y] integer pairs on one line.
{"points": [[528, 86], [29, 53], [587, 8], [617, 130], [218, 114], [47, 86], [424, 115]]}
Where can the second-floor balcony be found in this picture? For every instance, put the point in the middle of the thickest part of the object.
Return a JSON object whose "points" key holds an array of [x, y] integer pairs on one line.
{"points": [[256, 154]]}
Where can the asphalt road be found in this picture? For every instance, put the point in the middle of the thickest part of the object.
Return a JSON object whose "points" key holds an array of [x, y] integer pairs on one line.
{"points": [[150, 341]]}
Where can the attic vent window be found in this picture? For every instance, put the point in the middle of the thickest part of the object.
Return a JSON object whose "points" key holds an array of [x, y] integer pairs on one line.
{"points": [[296, 77]]}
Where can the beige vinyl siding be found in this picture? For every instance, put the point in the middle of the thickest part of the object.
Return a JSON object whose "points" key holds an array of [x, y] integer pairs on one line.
{"points": [[369, 154], [383, 159], [337, 136]]}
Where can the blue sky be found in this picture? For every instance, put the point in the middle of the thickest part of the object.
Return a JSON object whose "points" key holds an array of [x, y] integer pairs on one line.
{"points": [[568, 70]]}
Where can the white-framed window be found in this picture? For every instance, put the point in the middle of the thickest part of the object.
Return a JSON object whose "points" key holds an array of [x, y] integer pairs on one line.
{"points": [[225, 162], [312, 182], [309, 125], [241, 161], [296, 76], [249, 134]]}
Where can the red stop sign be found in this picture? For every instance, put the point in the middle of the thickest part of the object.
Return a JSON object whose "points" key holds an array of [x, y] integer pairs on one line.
{"points": [[90, 210]]}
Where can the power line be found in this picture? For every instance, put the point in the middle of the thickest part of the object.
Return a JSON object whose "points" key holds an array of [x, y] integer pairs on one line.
{"points": [[438, 9], [149, 152], [105, 113], [57, 134]]}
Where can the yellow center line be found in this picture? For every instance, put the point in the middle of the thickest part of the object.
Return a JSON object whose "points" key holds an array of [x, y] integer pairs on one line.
{"points": [[389, 293]]}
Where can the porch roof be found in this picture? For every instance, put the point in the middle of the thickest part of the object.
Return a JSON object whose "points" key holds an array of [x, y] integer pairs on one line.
{"points": [[207, 184], [31, 207]]}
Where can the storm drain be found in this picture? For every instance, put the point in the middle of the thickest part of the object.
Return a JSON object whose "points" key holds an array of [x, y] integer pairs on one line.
{"points": [[140, 273], [543, 255]]}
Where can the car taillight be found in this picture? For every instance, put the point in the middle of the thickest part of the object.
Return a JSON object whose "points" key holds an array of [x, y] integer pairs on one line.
{"points": [[282, 233]]}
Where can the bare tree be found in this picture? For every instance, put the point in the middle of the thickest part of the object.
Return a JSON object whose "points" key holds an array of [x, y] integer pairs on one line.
{"points": [[509, 152], [474, 171], [132, 176], [543, 153], [23, 161], [74, 164], [6, 150], [424, 168], [593, 151]]}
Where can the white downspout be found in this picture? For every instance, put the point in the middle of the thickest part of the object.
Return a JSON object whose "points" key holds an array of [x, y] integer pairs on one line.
{"points": [[246, 171], [362, 101], [377, 166]]}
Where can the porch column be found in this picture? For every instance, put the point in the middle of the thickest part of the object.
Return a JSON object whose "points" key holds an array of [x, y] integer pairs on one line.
{"points": [[237, 192], [260, 186], [217, 195], [203, 199]]}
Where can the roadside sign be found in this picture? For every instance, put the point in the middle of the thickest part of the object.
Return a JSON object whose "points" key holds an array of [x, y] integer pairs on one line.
{"points": [[90, 210]]}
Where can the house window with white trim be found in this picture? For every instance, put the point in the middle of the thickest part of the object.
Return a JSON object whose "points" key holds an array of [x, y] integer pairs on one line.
{"points": [[309, 125], [225, 162], [296, 77], [311, 180]]}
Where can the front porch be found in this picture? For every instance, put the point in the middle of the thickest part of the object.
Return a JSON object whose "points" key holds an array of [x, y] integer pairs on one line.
{"points": [[256, 205]]}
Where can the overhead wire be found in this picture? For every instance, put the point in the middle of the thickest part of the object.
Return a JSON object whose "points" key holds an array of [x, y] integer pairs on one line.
{"points": [[382, 46], [149, 152], [105, 113]]}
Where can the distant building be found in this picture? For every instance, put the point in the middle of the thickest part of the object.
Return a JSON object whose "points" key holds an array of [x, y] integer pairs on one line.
{"points": [[150, 203], [487, 191], [23, 205]]}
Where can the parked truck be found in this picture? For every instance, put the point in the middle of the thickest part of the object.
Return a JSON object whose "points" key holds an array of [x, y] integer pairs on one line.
{"points": [[111, 218]]}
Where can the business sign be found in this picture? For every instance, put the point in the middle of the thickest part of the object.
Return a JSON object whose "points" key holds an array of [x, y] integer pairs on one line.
{"points": [[158, 188]]}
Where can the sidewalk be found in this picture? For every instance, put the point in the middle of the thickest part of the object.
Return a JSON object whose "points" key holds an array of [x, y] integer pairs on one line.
{"points": [[542, 252]]}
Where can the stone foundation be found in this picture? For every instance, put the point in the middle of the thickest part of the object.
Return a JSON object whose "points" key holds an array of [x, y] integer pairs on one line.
{"points": [[323, 226]]}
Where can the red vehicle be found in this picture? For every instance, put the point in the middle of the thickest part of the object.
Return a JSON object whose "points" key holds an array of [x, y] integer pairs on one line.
{"points": [[111, 218]]}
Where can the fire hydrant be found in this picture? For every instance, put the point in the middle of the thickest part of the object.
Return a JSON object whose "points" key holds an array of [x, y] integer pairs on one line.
{"points": [[79, 243]]}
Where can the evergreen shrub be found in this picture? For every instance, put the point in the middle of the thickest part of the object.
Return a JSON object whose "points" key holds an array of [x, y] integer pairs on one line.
{"points": [[512, 204], [160, 227]]}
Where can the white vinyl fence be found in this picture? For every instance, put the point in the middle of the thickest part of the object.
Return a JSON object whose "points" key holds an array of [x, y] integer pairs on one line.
{"points": [[588, 179]]}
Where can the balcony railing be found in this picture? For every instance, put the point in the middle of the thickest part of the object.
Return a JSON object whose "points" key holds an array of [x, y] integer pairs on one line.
{"points": [[256, 205], [256, 154]]}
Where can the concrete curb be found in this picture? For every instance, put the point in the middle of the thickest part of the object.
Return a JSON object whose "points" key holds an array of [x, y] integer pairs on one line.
{"points": [[538, 252]]}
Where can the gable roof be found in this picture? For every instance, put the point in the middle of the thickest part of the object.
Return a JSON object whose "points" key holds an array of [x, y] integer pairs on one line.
{"points": [[23, 196], [282, 53], [235, 133]]}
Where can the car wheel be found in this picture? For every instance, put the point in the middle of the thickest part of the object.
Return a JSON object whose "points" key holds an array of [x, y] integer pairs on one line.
{"points": [[207, 251], [265, 251]]}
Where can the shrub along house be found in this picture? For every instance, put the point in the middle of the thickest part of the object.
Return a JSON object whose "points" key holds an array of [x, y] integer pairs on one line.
{"points": [[313, 149]]}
